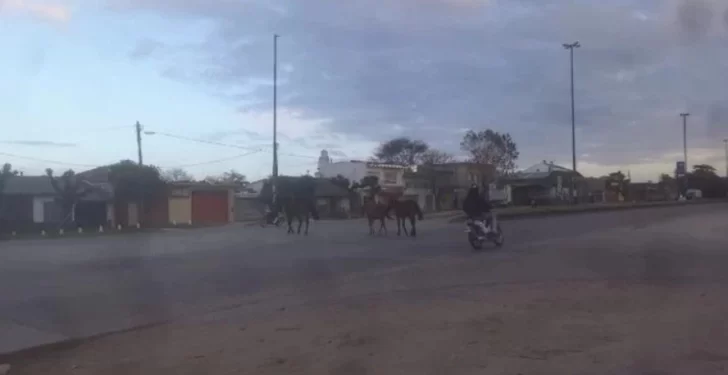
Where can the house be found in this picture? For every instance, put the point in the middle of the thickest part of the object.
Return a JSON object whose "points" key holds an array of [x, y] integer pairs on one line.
{"points": [[391, 176], [544, 183], [452, 180], [30, 202]]}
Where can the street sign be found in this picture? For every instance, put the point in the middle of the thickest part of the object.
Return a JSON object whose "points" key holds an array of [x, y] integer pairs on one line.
{"points": [[680, 168]]}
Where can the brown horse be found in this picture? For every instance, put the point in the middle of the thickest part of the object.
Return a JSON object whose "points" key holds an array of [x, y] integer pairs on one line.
{"points": [[376, 211], [300, 209], [407, 209]]}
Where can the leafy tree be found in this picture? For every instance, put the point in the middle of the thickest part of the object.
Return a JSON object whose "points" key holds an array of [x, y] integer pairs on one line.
{"points": [[371, 182], [69, 190], [6, 173], [341, 181], [705, 178], [177, 175], [401, 151], [136, 183], [491, 147]]}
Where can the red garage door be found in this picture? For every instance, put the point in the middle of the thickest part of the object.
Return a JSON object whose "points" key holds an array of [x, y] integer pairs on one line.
{"points": [[210, 207]]}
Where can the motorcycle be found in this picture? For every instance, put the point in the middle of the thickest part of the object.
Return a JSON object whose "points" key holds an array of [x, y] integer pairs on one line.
{"points": [[477, 237]]}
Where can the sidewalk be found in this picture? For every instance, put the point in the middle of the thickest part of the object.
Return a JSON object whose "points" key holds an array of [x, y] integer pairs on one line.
{"points": [[515, 212]]}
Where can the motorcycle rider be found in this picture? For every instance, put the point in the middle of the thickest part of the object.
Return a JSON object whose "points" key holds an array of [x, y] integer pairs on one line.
{"points": [[477, 209]]}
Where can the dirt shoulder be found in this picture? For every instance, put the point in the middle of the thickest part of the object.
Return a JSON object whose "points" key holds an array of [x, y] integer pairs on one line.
{"points": [[556, 328]]}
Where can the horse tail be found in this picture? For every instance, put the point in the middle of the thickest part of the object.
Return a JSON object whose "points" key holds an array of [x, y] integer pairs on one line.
{"points": [[314, 211], [418, 211]]}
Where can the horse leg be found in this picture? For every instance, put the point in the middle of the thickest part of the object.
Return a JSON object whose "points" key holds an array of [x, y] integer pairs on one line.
{"points": [[414, 228], [404, 226], [371, 226], [306, 232], [289, 219], [399, 227], [300, 224], [383, 225]]}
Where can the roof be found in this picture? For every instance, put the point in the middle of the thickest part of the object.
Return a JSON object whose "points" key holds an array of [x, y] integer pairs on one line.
{"points": [[541, 170], [29, 185]]}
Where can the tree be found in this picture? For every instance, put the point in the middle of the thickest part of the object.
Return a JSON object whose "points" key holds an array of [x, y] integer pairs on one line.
{"points": [[401, 151], [231, 177], [341, 181], [177, 175], [491, 147], [433, 156], [69, 191], [6, 173], [136, 183], [705, 178], [372, 183]]}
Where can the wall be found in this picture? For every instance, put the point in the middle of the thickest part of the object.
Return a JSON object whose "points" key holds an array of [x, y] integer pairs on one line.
{"points": [[248, 209], [180, 210]]}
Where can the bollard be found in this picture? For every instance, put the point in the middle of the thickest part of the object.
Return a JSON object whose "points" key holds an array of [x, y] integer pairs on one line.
{"points": [[118, 227], [43, 233], [174, 223], [60, 232], [138, 226], [101, 229], [80, 230]]}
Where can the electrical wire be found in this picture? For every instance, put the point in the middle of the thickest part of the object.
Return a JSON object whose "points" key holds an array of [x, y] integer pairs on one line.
{"points": [[217, 160], [202, 141], [47, 160]]}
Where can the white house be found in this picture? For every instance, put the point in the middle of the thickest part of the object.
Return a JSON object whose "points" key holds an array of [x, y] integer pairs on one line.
{"points": [[391, 177]]}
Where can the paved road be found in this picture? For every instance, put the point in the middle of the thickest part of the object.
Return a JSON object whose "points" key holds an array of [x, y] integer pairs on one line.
{"points": [[55, 289]]}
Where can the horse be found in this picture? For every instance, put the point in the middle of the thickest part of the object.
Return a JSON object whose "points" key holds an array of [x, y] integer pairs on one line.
{"points": [[403, 210], [376, 211], [300, 209]]}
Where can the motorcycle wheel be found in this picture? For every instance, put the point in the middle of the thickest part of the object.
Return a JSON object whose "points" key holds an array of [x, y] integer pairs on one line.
{"points": [[475, 242], [498, 238]]}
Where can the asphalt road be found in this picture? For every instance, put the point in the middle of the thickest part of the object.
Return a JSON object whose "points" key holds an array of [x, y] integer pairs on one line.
{"points": [[52, 290]]}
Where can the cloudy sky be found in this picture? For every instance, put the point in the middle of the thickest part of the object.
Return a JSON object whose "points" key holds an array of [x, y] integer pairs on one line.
{"points": [[77, 74]]}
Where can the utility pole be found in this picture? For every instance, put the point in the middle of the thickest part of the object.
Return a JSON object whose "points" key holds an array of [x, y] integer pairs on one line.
{"points": [[275, 108], [139, 142], [685, 139], [571, 47], [725, 143]]}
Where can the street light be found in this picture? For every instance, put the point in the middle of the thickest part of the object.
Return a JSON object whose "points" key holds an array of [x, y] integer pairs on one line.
{"points": [[571, 47], [685, 138], [725, 142]]}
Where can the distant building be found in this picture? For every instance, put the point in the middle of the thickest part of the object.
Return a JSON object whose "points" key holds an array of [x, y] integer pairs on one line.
{"points": [[544, 183]]}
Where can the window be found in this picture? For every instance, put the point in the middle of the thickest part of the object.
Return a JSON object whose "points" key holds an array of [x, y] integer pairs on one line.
{"points": [[390, 177]]}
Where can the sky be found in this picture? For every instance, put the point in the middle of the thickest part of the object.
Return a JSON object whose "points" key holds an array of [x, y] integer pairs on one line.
{"points": [[76, 75]]}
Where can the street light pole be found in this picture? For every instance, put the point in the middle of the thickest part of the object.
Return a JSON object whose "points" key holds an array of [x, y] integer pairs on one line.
{"points": [[139, 141], [685, 139], [275, 107], [571, 47], [725, 142]]}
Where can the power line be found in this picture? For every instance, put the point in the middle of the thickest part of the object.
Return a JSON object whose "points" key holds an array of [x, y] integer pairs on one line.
{"points": [[47, 160], [200, 140], [217, 160]]}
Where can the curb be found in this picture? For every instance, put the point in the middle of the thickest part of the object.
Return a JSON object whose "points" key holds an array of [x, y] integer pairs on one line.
{"points": [[587, 209]]}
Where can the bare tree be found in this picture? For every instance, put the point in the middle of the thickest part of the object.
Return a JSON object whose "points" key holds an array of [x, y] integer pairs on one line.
{"points": [[177, 175], [491, 147], [433, 156], [402, 151]]}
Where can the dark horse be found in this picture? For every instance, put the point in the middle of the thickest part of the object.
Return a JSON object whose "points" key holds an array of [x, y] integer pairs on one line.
{"points": [[404, 210], [301, 209], [376, 211]]}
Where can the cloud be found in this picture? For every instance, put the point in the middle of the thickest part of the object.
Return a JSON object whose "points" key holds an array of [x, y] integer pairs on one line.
{"points": [[144, 49], [40, 143], [427, 68], [45, 10]]}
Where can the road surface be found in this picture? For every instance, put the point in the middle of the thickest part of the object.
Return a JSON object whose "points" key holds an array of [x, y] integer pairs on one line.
{"points": [[52, 290]]}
